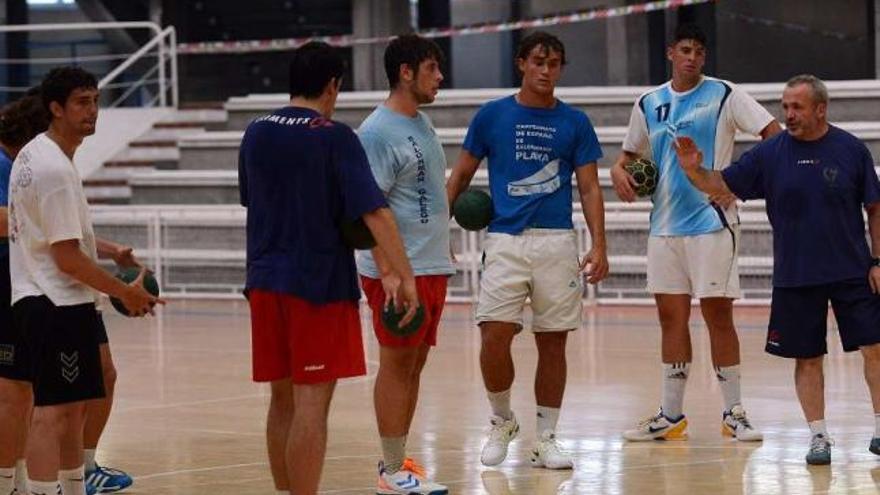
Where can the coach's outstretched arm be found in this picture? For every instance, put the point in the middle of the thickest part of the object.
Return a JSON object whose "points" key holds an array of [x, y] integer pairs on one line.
{"points": [[384, 229], [691, 160]]}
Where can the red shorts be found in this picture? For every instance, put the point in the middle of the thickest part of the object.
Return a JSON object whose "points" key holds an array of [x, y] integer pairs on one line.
{"points": [[308, 343], [432, 295]]}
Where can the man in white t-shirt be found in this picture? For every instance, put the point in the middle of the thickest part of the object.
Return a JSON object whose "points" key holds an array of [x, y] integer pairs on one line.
{"points": [[56, 281], [692, 245]]}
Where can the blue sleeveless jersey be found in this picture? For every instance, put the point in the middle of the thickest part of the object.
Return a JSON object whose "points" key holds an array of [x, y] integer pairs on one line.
{"points": [[679, 208]]}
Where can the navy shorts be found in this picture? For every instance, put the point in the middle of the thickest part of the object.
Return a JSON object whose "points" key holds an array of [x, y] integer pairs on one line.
{"points": [[799, 318]]}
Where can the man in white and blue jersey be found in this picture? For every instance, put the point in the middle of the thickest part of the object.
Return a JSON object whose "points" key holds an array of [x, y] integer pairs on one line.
{"points": [[534, 144], [692, 244]]}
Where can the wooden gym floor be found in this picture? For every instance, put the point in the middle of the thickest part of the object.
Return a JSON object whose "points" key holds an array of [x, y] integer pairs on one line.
{"points": [[188, 420]]}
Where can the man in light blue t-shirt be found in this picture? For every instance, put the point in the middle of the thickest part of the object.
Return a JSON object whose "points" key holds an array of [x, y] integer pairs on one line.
{"points": [[534, 144], [409, 165]]}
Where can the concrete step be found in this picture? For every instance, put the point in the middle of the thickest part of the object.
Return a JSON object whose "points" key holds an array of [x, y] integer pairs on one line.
{"points": [[606, 106], [219, 150]]}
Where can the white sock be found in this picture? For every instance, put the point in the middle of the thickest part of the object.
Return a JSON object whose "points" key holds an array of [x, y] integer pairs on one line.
{"points": [[21, 476], [89, 459], [43, 487], [818, 427], [72, 481], [547, 418], [7, 482], [728, 380], [500, 402], [877, 425], [674, 380]]}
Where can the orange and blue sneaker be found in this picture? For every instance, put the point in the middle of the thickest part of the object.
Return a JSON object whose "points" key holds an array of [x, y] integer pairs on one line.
{"points": [[658, 427], [411, 479]]}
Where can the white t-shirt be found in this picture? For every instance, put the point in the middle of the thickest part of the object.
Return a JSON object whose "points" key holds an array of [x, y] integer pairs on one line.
{"points": [[710, 114], [47, 204]]}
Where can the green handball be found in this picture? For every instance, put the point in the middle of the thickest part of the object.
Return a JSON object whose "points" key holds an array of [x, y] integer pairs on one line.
{"points": [[645, 174]]}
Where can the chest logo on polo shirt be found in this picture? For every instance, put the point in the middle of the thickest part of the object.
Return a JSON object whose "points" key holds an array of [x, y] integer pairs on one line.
{"points": [[830, 175]]}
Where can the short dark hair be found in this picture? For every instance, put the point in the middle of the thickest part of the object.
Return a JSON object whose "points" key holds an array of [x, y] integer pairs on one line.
{"points": [[689, 32], [22, 120], [543, 39], [312, 66], [60, 82], [412, 50]]}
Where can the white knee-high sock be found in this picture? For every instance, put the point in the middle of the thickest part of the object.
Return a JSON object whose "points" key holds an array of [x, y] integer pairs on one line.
{"points": [[674, 380], [728, 380]]}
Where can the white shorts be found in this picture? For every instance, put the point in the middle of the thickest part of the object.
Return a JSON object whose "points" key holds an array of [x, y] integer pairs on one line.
{"points": [[700, 265], [539, 264]]}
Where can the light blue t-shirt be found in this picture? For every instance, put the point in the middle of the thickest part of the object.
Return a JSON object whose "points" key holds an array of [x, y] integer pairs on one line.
{"points": [[5, 170], [409, 165], [532, 154]]}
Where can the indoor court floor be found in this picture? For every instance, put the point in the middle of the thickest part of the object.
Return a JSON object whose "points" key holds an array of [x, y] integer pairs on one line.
{"points": [[188, 420]]}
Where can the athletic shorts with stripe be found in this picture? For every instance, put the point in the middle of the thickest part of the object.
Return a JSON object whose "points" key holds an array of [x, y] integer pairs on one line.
{"points": [[432, 296], [63, 348], [702, 265], [540, 265], [305, 342]]}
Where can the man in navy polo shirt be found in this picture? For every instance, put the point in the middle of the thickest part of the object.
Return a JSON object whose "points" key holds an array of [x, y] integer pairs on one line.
{"points": [[301, 176], [815, 178]]}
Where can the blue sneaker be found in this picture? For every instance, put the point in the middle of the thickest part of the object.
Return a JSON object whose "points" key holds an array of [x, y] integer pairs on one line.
{"points": [[106, 480], [820, 450], [875, 446]]}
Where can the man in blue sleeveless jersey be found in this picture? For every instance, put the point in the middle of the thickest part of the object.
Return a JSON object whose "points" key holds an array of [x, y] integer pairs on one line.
{"points": [[409, 165], [693, 238], [816, 178], [534, 143]]}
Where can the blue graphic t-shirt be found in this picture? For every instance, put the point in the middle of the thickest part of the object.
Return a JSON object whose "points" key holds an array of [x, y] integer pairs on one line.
{"points": [[815, 192], [532, 155], [300, 176], [5, 170], [409, 165]]}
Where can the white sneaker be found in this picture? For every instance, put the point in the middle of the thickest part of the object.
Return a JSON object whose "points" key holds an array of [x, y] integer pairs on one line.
{"points": [[410, 480], [500, 435], [658, 427], [547, 454], [734, 423]]}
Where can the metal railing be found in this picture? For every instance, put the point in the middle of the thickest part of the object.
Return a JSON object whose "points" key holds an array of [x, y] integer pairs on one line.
{"points": [[198, 251], [150, 71]]}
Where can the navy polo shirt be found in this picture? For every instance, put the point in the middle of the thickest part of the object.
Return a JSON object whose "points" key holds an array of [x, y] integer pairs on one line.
{"points": [[815, 193], [300, 177]]}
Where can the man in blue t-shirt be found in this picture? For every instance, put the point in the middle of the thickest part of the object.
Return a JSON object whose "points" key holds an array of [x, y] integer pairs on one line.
{"points": [[409, 165], [534, 143], [303, 176], [816, 178]]}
